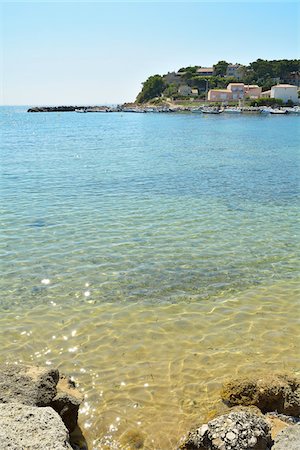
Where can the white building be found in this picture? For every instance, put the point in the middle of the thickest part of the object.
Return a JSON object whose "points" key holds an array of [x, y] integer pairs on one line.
{"points": [[285, 92]]}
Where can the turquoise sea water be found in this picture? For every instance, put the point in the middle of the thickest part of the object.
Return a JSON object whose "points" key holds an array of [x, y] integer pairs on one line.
{"points": [[157, 237]]}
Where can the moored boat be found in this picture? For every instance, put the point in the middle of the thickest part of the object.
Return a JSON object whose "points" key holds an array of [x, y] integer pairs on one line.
{"points": [[212, 111], [233, 110], [278, 111]]}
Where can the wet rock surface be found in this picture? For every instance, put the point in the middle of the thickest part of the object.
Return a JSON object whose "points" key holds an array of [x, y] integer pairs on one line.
{"points": [[29, 427], [234, 431], [279, 392], [288, 439]]}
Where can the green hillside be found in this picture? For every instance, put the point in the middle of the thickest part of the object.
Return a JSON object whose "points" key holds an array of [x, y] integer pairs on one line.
{"points": [[262, 72]]}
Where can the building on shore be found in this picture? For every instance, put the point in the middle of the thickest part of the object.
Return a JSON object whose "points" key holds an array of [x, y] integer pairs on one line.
{"points": [[237, 89], [219, 95], [285, 92], [234, 91], [252, 91], [266, 94]]}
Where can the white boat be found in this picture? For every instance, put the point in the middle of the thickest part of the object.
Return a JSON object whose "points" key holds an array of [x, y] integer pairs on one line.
{"points": [[294, 110], [233, 110], [81, 110], [212, 111], [278, 111], [196, 110]]}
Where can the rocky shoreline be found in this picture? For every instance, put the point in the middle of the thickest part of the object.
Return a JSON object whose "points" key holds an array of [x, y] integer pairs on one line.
{"points": [[39, 410]]}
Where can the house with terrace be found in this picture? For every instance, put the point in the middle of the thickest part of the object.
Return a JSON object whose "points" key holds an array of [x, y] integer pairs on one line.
{"points": [[234, 91]]}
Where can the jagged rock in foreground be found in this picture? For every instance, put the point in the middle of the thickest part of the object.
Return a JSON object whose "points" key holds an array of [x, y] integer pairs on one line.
{"points": [[39, 386], [279, 393], [30, 427], [288, 439], [32, 386], [237, 430], [38, 408]]}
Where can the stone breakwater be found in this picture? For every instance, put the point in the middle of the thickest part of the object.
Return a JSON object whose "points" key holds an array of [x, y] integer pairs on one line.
{"points": [[134, 108], [39, 410], [68, 108]]}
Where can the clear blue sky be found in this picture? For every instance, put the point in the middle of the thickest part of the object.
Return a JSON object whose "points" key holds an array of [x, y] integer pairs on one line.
{"points": [[97, 52]]}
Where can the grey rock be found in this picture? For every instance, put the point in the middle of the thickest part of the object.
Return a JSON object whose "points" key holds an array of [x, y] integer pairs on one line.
{"points": [[220, 433], [288, 439], [38, 386], [27, 427], [32, 386]]}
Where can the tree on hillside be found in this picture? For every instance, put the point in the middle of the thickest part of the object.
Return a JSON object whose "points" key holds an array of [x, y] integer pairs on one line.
{"points": [[275, 69], [187, 76], [220, 68], [262, 68], [152, 87], [192, 69], [171, 90]]}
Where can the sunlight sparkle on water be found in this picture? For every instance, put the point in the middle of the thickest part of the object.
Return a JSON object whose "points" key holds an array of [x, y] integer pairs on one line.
{"points": [[73, 349]]}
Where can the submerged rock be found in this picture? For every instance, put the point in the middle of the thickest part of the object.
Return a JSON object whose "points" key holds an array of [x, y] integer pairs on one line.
{"points": [[234, 431], [288, 439], [30, 427], [279, 392], [132, 440]]}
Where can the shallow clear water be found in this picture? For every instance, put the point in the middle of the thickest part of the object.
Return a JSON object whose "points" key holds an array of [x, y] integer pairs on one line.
{"points": [[150, 256]]}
